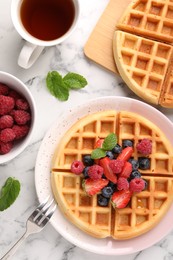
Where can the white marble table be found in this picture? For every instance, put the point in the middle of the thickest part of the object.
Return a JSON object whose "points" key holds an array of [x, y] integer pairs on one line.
{"points": [[66, 57]]}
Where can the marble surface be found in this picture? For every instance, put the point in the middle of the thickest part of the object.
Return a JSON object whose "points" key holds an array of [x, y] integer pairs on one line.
{"points": [[65, 57]]}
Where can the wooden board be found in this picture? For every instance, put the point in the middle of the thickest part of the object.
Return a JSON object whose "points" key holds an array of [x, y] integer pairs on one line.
{"points": [[98, 48]]}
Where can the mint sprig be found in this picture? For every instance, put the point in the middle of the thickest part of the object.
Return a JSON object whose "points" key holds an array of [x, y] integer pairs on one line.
{"points": [[60, 86], [9, 193], [109, 143]]}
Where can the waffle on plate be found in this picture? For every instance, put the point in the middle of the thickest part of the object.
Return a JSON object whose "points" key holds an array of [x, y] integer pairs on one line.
{"points": [[145, 209], [142, 47]]}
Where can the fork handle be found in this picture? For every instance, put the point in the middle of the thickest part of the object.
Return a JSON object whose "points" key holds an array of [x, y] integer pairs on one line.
{"points": [[14, 248]]}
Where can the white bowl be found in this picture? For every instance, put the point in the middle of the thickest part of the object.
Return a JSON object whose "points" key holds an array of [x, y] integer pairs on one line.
{"points": [[17, 85]]}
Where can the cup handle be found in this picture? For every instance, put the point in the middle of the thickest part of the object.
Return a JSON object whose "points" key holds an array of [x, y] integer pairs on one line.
{"points": [[29, 54]]}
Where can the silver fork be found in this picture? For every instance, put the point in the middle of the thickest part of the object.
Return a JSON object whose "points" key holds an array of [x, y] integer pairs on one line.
{"points": [[35, 223]]}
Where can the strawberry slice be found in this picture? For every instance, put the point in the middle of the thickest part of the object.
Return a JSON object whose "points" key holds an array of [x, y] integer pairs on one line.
{"points": [[91, 186], [126, 171], [98, 143], [121, 198], [104, 162], [125, 154]]}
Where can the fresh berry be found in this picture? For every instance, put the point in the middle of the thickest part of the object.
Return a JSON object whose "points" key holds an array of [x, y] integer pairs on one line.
{"points": [[112, 185], [125, 154], [92, 187], [21, 117], [144, 146], [6, 121], [87, 160], [77, 167], [6, 104], [102, 201], [5, 147], [22, 104], [15, 95], [116, 166], [20, 131], [122, 184], [95, 172], [85, 172], [135, 174], [107, 191], [104, 162], [121, 198], [4, 89], [98, 143], [117, 149], [110, 154], [134, 163], [7, 135], [126, 171], [137, 185], [144, 163], [127, 143]]}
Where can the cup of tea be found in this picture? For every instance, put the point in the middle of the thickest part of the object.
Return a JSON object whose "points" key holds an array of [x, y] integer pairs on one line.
{"points": [[42, 23]]}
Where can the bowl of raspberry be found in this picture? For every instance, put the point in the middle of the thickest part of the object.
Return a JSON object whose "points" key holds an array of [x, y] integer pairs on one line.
{"points": [[17, 116]]}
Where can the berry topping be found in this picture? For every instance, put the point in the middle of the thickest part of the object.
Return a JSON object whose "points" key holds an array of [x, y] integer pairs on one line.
{"points": [[107, 192], [110, 154], [104, 162], [135, 174], [77, 167], [6, 121], [87, 160], [117, 149], [102, 201], [144, 146], [137, 185], [5, 147], [127, 143], [125, 154], [21, 117], [122, 184], [121, 198], [98, 143], [22, 104], [20, 131], [126, 171], [4, 89], [116, 166], [95, 172], [6, 104], [144, 163], [7, 135], [92, 187], [134, 163], [85, 172]]}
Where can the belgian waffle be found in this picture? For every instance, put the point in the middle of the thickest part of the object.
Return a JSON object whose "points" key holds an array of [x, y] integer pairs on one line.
{"points": [[142, 47], [146, 208]]}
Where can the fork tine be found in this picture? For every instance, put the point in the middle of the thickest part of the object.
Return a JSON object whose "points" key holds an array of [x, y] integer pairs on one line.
{"points": [[42, 212], [47, 217], [40, 206]]}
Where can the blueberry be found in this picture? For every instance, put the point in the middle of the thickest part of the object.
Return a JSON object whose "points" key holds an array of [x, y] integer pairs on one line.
{"points": [[144, 163], [87, 160], [135, 174], [117, 149], [127, 143], [112, 185], [134, 163], [110, 154], [107, 192], [102, 201], [85, 172]]}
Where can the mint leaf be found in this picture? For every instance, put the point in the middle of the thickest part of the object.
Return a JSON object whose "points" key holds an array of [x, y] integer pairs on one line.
{"points": [[109, 142], [56, 86], [9, 193], [98, 153], [74, 81]]}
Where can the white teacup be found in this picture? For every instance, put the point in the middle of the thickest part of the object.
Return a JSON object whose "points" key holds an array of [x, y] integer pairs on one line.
{"points": [[34, 45]]}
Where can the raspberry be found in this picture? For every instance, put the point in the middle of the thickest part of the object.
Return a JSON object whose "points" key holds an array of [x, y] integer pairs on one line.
{"points": [[6, 104], [77, 167], [7, 135], [5, 147], [21, 117], [116, 166], [122, 184], [144, 146], [137, 185], [22, 104], [4, 89], [20, 131], [6, 121], [15, 95], [95, 172]]}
